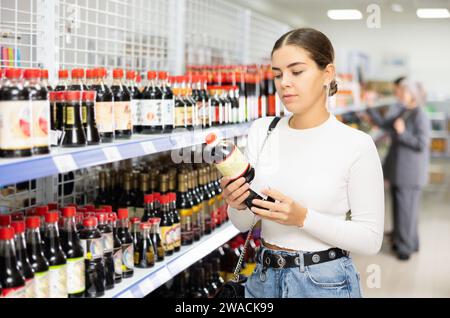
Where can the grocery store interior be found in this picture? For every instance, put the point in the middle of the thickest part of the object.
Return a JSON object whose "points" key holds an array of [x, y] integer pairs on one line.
{"points": [[105, 108]]}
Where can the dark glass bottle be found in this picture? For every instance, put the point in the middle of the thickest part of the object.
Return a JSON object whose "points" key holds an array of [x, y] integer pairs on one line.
{"points": [[117, 254], [208, 202], [127, 199], [166, 226], [77, 83], [62, 85], [210, 284], [217, 279], [176, 221], [22, 258], [14, 99], [181, 111], [44, 80], [55, 256], [40, 109], [135, 103], [41, 211], [103, 196], [189, 104], [91, 240], [198, 283], [156, 239], [127, 243], [104, 107], [108, 248], [200, 195], [36, 257], [151, 106], [148, 208], [144, 255], [122, 111], [135, 232], [73, 132], [71, 245], [11, 279], [184, 207], [60, 100], [197, 208], [168, 103], [88, 118]]}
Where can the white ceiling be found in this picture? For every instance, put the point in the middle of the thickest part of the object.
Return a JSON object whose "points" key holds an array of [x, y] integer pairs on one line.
{"points": [[314, 12]]}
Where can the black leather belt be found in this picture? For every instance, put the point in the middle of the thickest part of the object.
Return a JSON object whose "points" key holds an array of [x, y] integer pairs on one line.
{"points": [[278, 261]]}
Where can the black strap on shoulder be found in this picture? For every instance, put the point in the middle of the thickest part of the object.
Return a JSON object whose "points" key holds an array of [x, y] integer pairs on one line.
{"points": [[274, 124]]}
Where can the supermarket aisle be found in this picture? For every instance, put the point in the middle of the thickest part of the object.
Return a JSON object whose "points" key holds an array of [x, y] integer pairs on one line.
{"points": [[426, 274]]}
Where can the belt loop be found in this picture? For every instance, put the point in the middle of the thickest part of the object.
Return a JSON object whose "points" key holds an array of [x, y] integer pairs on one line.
{"points": [[302, 262]]}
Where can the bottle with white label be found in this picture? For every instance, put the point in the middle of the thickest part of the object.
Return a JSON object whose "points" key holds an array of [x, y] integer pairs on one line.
{"points": [[231, 163], [127, 243], [168, 103], [55, 256], [108, 246], [135, 104], [92, 242], [22, 257], [11, 279], [15, 117], [151, 106], [36, 257], [71, 244], [123, 121]]}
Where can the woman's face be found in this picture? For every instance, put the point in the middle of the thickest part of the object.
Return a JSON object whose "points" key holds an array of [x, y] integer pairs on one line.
{"points": [[298, 80]]}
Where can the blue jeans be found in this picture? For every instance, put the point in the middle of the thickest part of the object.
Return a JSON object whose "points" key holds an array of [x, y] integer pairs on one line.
{"points": [[333, 279]]}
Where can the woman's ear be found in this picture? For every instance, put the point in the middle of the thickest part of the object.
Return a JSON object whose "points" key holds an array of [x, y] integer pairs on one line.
{"points": [[330, 74]]}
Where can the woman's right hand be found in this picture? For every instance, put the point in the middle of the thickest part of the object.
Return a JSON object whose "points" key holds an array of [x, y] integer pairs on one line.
{"points": [[235, 192]]}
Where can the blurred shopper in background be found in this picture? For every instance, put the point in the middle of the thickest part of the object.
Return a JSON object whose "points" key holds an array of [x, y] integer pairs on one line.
{"points": [[406, 165]]}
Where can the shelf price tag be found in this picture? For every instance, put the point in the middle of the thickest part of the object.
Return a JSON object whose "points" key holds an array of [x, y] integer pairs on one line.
{"points": [[65, 163], [112, 154], [155, 280], [148, 147]]}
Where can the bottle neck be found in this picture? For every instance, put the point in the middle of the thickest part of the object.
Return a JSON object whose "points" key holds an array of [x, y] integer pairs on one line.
{"points": [[123, 223], [8, 253], [33, 237]]}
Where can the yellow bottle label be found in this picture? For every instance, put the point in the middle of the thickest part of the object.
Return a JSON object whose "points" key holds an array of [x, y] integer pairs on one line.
{"points": [[84, 115], [70, 115], [234, 165]]}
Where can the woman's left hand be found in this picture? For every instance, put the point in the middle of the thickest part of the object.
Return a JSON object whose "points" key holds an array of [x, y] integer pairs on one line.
{"points": [[285, 211]]}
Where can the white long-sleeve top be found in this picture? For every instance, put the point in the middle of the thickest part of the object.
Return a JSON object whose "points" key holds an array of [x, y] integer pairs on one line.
{"points": [[330, 169]]}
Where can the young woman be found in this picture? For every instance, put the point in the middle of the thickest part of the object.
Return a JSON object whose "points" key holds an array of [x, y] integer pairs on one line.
{"points": [[326, 179]]}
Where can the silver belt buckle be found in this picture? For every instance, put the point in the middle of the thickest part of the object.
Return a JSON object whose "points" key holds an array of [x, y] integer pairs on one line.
{"points": [[281, 262]]}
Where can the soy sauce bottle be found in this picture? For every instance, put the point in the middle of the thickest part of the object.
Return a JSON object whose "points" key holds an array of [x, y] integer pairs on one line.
{"points": [[148, 208], [62, 85], [15, 134], [88, 118], [71, 245], [73, 132], [176, 221], [168, 104], [184, 206], [156, 239], [117, 253], [122, 110], [11, 279], [91, 240], [151, 106], [77, 83], [56, 257], [108, 248], [127, 243], [104, 107], [36, 257], [135, 103], [144, 255], [22, 258]]}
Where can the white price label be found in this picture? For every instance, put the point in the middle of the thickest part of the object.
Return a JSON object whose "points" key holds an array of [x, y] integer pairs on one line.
{"points": [[112, 154], [65, 163], [148, 147]]}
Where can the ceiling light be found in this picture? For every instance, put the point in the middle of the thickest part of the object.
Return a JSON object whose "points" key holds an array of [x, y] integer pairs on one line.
{"points": [[435, 13], [344, 14]]}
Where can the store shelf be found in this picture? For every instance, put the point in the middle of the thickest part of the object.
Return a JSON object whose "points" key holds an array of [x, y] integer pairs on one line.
{"points": [[385, 101], [63, 160], [440, 134], [145, 281]]}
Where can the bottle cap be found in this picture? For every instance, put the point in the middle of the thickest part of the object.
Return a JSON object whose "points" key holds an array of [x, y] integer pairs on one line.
{"points": [[18, 226], [42, 210], [172, 196], [32, 222], [118, 73], [90, 222], [89, 207], [69, 212], [151, 75], [157, 197], [51, 217], [13, 73], [162, 75], [63, 74], [107, 208], [90, 73], [6, 233], [72, 95], [148, 198], [44, 74], [122, 214], [77, 73], [131, 75], [32, 73], [135, 220], [5, 220]]}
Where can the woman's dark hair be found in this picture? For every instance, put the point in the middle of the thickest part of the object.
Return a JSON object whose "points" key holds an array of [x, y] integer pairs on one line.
{"points": [[316, 43]]}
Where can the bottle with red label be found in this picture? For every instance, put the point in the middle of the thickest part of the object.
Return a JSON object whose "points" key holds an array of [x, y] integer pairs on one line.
{"points": [[127, 243], [15, 117], [11, 279], [77, 83], [71, 245], [22, 258], [63, 76], [123, 122], [36, 257], [56, 257], [108, 248], [91, 240], [231, 163]]}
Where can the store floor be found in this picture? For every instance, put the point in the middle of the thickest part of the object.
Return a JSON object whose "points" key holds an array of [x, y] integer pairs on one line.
{"points": [[427, 273]]}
